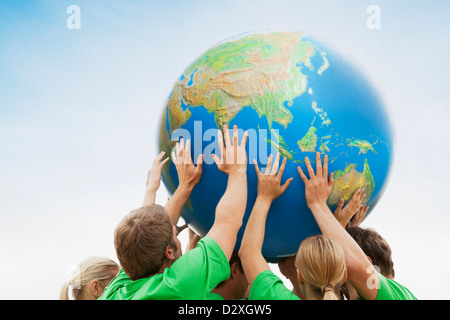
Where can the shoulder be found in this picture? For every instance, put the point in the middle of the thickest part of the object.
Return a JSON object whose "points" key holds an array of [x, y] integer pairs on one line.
{"points": [[117, 283], [206, 251], [392, 290], [268, 286], [198, 271]]}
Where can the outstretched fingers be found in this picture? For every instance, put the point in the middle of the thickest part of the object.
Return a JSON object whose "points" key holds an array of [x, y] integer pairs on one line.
{"points": [[199, 167], [163, 163], [318, 166], [269, 165], [338, 209], [244, 140], [226, 133], [325, 166], [309, 168], [283, 165], [187, 152], [235, 136], [286, 184], [258, 172], [275, 164]]}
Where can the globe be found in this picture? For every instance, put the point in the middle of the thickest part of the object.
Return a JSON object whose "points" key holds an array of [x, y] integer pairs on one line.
{"points": [[293, 95]]}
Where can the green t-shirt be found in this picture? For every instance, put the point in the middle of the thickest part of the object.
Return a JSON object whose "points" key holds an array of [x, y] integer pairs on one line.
{"points": [[267, 286], [191, 277], [392, 290], [213, 296]]}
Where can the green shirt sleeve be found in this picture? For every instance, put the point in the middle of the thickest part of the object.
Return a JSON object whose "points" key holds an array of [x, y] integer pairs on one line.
{"points": [[191, 277], [392, 290], [199, 271], [267, 286]]}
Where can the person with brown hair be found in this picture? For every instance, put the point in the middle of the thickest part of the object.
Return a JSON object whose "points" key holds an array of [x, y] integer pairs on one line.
{"points": [[379, 253], [146, 242], [362, 275], [233, 288], [320, 261], [90, 278], [376, 249]]}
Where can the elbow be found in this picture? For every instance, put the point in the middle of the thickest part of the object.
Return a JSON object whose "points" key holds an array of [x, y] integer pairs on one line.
{"points": [[243, 251]]}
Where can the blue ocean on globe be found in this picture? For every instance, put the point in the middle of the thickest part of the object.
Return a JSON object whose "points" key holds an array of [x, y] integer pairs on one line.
{"points": [[294, 95]]}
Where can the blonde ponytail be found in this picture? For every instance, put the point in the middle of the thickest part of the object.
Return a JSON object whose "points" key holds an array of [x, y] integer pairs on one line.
{"points": [[328, 292], [64, 294], [90, 269], [321, 263]]}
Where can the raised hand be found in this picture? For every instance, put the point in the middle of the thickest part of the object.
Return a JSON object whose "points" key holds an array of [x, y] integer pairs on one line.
{"points": [[154, 179], [269, 183], [188, 174], [318, 187], [351, 209], [234, 156], [358, 217]]}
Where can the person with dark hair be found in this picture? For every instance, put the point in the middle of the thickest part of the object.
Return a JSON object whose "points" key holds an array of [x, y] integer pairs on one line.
{"points": [[233, 288], [376, 249], [379, 253]]}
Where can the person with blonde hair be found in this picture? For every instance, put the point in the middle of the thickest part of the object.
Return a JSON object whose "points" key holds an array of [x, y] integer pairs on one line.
{"points": [[90, 279], [320, 262], [362, 275], [321, 268]]}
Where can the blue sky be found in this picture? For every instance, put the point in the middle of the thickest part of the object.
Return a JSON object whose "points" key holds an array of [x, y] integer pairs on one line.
{"points": [[79, 110]]}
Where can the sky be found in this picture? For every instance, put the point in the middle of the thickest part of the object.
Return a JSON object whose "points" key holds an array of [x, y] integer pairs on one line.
{"points": [[79, 113]]}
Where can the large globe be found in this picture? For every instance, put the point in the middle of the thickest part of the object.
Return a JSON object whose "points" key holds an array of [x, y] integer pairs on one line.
{"points": [[295, 96]]}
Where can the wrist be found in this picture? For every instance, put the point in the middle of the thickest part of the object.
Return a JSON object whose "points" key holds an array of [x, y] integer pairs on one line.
{"points": [[318, 206], [238, 174], [187, 186], [266, 199]]}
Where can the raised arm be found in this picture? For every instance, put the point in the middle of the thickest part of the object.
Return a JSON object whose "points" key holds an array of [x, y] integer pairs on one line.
{"points": [[361, 273], [231, 207], [154, 179], [269, 188], [188, 176], [352, 209]]}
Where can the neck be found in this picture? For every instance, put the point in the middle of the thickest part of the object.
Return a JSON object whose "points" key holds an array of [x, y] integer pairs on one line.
{"points": [[224, 291], [312, 293], [166, 264]]}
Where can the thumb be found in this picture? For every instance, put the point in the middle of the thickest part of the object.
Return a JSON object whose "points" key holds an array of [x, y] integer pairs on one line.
{"points": [[286, 184], [339, 207], [199, 163]]}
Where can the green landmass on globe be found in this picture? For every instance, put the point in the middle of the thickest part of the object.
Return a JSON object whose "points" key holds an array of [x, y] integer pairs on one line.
{"points": [[269, 73]]}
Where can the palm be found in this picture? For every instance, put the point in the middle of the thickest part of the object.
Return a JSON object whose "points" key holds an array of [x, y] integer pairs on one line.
{"points": [[234, 155], [269, 183]]}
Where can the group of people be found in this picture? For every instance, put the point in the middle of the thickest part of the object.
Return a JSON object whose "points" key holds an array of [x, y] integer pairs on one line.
{"points": [[345, 261]]}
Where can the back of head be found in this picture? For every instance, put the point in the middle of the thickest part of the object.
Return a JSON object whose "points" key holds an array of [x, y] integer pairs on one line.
{"points": [[233, 259], [375, 247], [90, 269], [140, 240], [321, 262]]}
